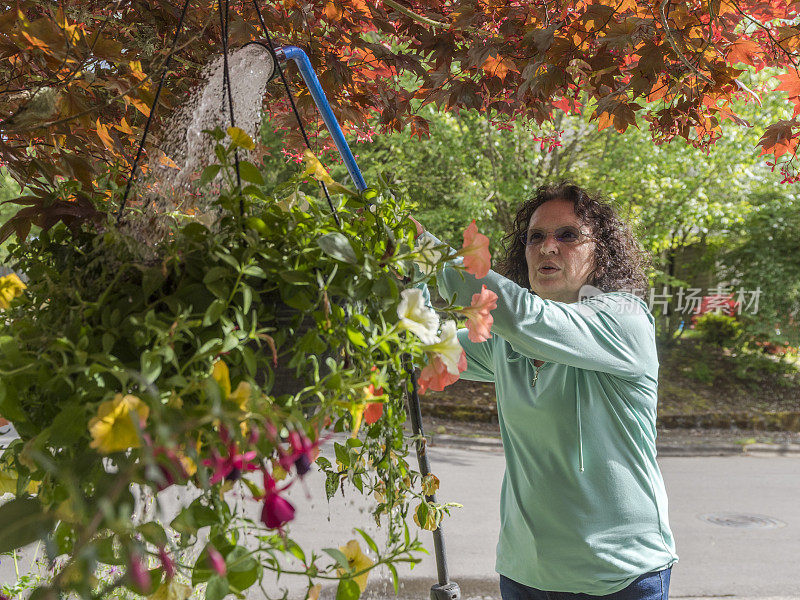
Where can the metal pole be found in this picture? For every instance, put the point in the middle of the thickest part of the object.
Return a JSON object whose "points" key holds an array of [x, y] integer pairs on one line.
{"points": [[445, 589]]}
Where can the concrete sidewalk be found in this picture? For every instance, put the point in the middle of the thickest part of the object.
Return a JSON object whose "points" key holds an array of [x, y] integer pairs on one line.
{"points": [[736, 521], [670, 442]]}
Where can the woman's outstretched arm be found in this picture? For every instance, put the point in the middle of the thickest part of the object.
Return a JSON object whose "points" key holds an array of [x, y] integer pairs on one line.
{"points": [[612, 333]]}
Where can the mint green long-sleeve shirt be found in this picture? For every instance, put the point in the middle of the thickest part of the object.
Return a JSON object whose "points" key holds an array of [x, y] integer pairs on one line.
{"points": [[583, 506]]}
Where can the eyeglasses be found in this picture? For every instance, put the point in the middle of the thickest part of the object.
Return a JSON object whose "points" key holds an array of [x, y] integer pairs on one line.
{"points": [[564, 235]]}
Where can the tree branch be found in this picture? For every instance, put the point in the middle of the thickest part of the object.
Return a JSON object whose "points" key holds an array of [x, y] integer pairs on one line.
{"points": [[663, 18], [414, 16], [426, 21]]}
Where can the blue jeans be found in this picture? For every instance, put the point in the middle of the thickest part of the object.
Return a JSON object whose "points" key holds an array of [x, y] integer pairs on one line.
{"points": [[650, 586]]}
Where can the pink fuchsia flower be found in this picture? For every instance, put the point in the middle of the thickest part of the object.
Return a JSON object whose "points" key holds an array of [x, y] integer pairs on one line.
{"points": [[301, 453], [475, 252], [166, 563], [436, 376], [232, 466], [216, 562], [479, 318], [277, 510], [138, 574]]}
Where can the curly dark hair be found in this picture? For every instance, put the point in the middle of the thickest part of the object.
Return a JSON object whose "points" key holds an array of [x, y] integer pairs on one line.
{"points": [[620, 260]]}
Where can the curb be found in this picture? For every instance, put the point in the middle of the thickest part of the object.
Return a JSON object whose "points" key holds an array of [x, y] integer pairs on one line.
{"points": [[491, 444], [766, 421]]}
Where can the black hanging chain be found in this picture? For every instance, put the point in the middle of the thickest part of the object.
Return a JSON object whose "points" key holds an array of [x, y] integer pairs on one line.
{"points": [[226, 85], [153, 109], [294, 106]]}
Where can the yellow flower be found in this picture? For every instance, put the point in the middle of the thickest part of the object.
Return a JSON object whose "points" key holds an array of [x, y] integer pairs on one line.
{"points": [[171, 590], [11, 286], [222, 376], [188, 464], [357, 561], [278, 472], [241, 395], [357, 411], [114, 428], [8, 484], [313, 592]]}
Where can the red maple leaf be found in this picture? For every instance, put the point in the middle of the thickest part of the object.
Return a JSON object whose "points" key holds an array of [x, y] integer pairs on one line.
{"points": [[779, 139], [743, 51], [790, 83]]}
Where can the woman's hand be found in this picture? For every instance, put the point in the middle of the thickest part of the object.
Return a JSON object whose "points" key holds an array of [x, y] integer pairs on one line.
{"points": [[420, 228]]}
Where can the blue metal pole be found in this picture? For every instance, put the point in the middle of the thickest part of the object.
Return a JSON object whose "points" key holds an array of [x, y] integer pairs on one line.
{"points": [[304, 65]]}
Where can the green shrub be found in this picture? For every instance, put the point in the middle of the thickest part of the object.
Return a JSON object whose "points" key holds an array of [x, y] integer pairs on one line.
{"points": [[721, 330], [702, 372]]}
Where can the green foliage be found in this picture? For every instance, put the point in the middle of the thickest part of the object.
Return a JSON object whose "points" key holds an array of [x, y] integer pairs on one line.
{"points": [[762, 255], [125, 370], [701, 372], [698, 212], [722, 330], [8, 190]]}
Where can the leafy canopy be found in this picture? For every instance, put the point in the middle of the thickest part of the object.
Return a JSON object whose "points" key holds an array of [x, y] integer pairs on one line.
{"points": [[78, 84]]}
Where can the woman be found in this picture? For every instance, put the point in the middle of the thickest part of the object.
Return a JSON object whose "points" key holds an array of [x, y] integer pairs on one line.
{"points": [[583, 504]]}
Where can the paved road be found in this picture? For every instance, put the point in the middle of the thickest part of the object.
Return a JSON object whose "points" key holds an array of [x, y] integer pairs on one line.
{"points": [[717, 561]]}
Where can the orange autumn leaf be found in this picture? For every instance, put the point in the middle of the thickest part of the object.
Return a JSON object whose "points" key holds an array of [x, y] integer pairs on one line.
{"points": [[333, 11], [168, 162], [124, 127], [136, 69], [537, 58], [138, 105], [36, 42], [727, 7], [498, 66], [742, 51], [790, 83], [102, 133]]}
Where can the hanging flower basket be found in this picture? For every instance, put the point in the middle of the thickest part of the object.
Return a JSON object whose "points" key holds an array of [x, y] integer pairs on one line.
{"points": [[217, 357]]}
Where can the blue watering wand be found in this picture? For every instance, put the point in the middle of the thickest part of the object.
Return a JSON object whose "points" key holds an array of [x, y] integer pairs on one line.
{"points": [[445, 589]]}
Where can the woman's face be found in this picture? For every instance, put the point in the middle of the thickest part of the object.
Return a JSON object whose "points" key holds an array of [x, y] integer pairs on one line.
{"points": [[571, 264]]}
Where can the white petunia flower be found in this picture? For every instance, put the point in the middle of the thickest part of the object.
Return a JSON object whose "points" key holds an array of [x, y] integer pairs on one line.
{"points": [[429, 257], [448, 348], [416, 316]]}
